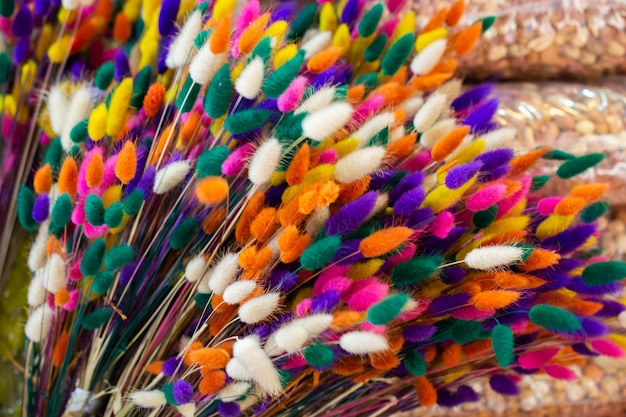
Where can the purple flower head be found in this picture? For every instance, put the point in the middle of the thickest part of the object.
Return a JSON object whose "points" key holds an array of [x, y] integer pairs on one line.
{"points": [[41, 7], [567, 264], [273, 195], [409, 201], [352, 215], [263, 330], [570, 239], [146, 183], [282, 13], [452, 275], [494, 173], [333, 76], [446, 398], [270, 104], [576, 284], [610, 308], [22, 22], [421, 217], [467, 393], [479, 119], [21, 50], [121, 66], [229, 409], [325, 302], [173, 366], [418, 332], [41, 208], [380, 179], [167, 17], [591, 328], [471, 97], [165, 47], [461, 174], [283, 279], [504, 385], [554, 280], [348, 253], [401, 371], [407, 183], [448, 303], [494, 159], [350, 12], [583, 349], [435, 245], [182, 391], [78, 70]]}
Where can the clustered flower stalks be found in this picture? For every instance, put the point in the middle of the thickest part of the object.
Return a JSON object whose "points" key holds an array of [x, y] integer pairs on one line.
{"points": [[287, 210]]}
